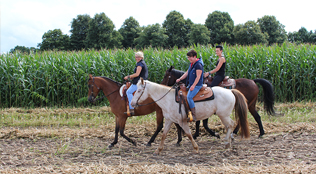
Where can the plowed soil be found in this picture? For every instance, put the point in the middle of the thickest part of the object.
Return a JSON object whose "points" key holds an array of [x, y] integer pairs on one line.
{"points": [[285, 148]]}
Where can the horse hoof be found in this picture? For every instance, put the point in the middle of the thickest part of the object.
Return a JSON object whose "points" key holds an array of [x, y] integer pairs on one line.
{"points": [[148, 144], [134, 143], [217, 136], [195, 136], [227, 145], [110, 146], [178, 145]]}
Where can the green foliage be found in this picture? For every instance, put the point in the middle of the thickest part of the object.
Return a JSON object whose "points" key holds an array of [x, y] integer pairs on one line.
{"points": [[23, 49], [220, 26], [52, 78], [54, 40], [177, 29], [79, 31], [249, 34], [274, 29], [152, 35], [199, 34], [129, 31], [101, 33]]}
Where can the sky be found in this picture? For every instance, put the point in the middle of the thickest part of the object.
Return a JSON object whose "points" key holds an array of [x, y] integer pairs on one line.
{"points": [[23, 22]]}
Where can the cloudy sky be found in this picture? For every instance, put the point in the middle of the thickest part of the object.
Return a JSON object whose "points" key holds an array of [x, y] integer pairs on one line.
{"points": [[23, 22]]}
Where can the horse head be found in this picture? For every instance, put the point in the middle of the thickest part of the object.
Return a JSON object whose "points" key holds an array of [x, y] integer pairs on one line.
{"points": [[93, 89], [141, 94], [168, 78]]}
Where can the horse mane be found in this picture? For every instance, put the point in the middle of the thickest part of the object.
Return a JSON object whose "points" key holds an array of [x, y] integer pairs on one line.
{"points": [[177, 73], [106, 78]]}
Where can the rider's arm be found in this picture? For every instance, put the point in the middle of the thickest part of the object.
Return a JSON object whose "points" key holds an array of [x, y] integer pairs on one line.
{"points": [[219, 65], [198, 76], [138, 70]]}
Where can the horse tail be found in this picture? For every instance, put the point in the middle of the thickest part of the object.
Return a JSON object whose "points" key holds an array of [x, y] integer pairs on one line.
{"points": [[241, 110], [268, 95]]}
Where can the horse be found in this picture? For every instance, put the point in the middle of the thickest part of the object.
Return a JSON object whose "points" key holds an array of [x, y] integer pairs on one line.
{"points": [[223, 104], [247, 87], [111, 90]]}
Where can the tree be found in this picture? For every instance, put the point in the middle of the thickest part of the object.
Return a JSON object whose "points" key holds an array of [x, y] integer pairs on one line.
{"points": [[199, 34], [23, 49], [54, 40], [177, 29], [249, 33], [101, 33], [152, 35], [79, 30], [220, 26], [129, 31], [275, 30]]}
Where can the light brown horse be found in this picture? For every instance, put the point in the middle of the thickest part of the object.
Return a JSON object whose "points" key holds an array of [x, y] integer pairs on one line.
{"points": [[111, 89]]}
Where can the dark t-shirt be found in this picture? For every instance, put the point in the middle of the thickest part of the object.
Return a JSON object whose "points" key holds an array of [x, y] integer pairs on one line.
{"points": [[143, 73]]}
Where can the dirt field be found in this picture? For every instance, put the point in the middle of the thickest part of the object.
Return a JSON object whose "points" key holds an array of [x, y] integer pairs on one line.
{"points": [[286, 148]]}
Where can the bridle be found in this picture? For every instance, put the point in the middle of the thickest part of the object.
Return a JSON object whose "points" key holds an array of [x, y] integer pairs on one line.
{"points": [[91, 86], [138, 105]]}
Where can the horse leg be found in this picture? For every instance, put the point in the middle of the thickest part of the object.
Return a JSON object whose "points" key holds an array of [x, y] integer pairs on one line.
{"points": [[205, 125], [116, 133], [187, 131], [257, 117], [168, 124], [179, 130], [197, 129], [122, 122], [159, 120], [229, 124]]}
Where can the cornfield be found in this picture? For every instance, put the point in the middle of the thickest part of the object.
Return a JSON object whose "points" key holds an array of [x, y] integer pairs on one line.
{"points": [[58, 79]]}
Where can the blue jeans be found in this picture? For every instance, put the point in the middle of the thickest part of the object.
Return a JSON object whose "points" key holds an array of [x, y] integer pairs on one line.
{"points": [[129, 94], [191, 94]]}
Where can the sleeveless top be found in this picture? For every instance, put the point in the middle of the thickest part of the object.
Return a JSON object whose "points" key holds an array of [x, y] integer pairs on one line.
{"points": [[143, 73], [221, 71]]}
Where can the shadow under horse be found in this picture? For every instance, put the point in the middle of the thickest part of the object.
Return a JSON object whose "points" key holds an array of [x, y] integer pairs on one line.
{"points": [[111, 90], [247, 87]]}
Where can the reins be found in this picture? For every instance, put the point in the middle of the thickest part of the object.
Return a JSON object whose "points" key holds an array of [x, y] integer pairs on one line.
{"points": [[173, 87], [99, 88]]}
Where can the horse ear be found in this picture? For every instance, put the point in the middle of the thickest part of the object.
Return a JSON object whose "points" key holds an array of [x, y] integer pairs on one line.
{"points": [[171, 67], [90, 76], [142, 80]]}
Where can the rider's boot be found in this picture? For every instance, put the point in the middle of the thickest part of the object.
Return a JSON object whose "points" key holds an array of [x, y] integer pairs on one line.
{"points": [[193, 115]]}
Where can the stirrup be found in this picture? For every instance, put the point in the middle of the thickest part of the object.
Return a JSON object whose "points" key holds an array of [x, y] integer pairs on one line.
{"points": [[130, 113], [190, 117]]}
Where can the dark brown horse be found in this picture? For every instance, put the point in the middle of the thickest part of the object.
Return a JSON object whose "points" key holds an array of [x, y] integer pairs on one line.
{"points": [[247, 87], [111, 89]]}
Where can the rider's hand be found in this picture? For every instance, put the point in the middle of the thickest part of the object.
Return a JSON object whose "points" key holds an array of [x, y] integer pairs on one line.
{"points": [[192, 88], [178, 80], [206, 74]]}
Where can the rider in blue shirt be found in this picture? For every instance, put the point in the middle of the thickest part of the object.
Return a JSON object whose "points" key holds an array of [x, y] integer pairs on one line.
{"points": [[194, 77]]}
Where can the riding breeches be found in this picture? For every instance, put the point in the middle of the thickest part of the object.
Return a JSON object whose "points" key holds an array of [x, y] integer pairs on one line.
{"points": [[191, 94], [217, 79], [129, 94]]}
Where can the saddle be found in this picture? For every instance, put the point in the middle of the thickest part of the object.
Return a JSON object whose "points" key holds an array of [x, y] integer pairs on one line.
{"points": [[205, 93], [227, 82]]}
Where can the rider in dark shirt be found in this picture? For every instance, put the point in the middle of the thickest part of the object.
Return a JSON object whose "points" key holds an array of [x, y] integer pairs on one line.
{"points": [[219, 69]]}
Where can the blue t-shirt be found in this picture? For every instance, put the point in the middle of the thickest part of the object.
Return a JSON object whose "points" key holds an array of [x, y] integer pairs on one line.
{"points": [[198, 65]]}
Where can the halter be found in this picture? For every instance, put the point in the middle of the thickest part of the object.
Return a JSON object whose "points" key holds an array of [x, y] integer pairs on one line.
{"points": [[137, 105], [99, 89]]}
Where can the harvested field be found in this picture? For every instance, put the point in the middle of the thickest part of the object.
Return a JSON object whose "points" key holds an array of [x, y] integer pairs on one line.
{"points": [[286, 148]]}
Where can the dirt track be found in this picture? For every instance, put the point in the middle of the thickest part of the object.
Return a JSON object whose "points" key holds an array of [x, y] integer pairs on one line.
{"points": [[44, 149]]}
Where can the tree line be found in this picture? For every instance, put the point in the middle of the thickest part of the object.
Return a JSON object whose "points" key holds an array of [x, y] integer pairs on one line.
{"points": [[99, 33]]}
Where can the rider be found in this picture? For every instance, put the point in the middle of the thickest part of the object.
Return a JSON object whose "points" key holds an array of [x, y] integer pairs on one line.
{"points": [[194, 74], [140, 70], [219, 69]]}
